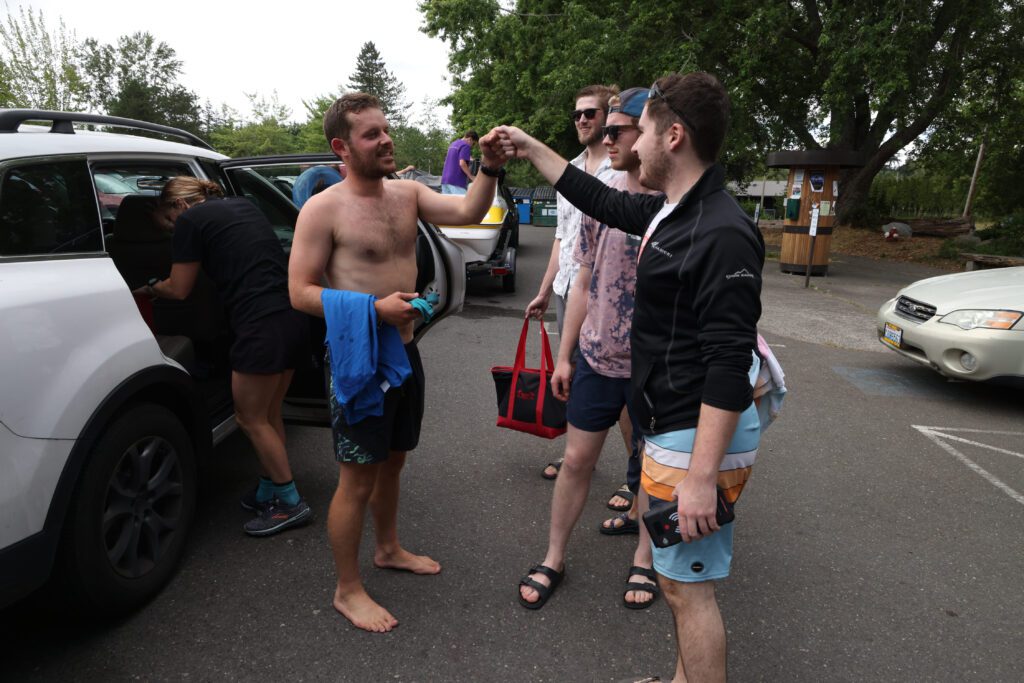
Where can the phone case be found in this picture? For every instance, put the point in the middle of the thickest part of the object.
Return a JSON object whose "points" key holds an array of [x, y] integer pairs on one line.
{"points": [[662, 520]]}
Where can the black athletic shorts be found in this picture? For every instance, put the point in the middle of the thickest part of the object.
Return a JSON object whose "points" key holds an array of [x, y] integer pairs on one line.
{"points": [[271, 344], [369, 441]]}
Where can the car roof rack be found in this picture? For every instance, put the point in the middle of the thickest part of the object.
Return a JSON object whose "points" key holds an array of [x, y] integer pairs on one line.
{"points": [[63, 122]]}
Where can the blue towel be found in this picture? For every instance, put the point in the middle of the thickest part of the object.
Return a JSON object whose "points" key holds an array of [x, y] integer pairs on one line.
{"points": [[366, 360]]}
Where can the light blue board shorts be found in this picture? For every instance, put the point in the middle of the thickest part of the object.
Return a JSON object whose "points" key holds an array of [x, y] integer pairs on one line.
{"points": [[710, 557]]}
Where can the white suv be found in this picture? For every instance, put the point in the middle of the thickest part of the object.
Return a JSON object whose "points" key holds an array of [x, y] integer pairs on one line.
{"points": [[107, 403]]}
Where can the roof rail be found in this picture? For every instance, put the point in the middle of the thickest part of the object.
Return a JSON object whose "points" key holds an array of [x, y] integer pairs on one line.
{"points": [[63, 122]]}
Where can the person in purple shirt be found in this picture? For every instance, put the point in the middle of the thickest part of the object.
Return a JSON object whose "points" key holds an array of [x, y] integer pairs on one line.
{"points": [[456, 174]]}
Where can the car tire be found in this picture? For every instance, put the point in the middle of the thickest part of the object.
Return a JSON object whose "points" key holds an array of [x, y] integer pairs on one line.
{"points": [[508, 283], [131, 511]]}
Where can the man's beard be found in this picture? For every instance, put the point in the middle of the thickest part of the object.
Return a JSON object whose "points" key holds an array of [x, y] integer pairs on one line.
{"points": [[589, 138], [654, 171], [371, 165], [626, 162]]}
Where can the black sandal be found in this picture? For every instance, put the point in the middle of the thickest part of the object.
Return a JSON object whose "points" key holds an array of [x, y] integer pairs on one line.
{"points": [[622, 492], [628, 526], [641, 587], [543, 591], [557, 465]]}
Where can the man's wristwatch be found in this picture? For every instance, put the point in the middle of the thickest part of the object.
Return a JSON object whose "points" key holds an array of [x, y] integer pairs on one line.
{"points": [[149, 286], [492, 172]]}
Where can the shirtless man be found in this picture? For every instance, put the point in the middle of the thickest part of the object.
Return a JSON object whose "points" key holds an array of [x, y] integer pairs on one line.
{"points": [[361, 235]]}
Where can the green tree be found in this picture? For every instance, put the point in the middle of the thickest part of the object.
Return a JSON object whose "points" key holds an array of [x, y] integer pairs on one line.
{"points": [[267, 132], [994, 117], [40, 68], [423, 148], [311, 133], [6, 87], [212, 118], [138, 78], [372, 76], [175, 106], [862, 75]]}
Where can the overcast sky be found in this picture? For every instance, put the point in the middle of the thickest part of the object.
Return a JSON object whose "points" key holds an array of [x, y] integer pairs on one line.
{"points": [[300, 49]]}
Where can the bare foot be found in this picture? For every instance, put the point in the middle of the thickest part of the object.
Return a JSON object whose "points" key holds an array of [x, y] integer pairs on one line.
{"points": [[363, 612], [403, 560]]}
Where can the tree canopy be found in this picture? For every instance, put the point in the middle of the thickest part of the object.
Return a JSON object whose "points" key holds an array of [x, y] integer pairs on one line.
{"points": [[862, 75], [372, 76], [40, 68], [138, 76]]}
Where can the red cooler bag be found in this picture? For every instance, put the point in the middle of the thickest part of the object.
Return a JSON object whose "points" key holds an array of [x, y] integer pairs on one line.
{"points": [[524, 395]]}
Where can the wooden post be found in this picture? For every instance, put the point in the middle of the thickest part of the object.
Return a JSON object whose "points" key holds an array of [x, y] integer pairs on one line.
{"points": [[974, 180], [813, 232]]}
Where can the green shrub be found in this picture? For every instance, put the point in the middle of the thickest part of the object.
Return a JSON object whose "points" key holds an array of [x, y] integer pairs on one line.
{"points": [[865, 215], [951, 249], [1005, 238], [748, 206]]}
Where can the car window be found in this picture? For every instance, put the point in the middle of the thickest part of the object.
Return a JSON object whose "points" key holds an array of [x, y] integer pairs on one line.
{"points": [[48, 208], [141, 176], [111, 185], [114, 181], [270, 199]]}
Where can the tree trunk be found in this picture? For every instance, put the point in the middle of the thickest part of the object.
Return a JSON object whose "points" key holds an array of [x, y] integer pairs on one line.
{"points": [[854, 186], [974, 180]]}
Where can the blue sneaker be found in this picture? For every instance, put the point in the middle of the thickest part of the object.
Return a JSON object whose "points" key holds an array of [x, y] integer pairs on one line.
{"points": [[249, 502], [277, 517]]}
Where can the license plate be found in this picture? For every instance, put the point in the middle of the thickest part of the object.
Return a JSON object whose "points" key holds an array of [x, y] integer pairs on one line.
{"points": [[893, 335]]}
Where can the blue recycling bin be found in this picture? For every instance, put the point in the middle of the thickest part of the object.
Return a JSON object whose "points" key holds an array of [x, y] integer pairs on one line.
{"points": [[523, 197]]}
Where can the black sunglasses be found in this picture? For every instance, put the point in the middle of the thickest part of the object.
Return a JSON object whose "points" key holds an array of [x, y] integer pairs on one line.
{"points": [[655, 92], [613, 131], [589, 112]]}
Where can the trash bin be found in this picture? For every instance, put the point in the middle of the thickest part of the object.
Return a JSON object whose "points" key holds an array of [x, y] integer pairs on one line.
{"points": [[523, 197], [545, 210]]}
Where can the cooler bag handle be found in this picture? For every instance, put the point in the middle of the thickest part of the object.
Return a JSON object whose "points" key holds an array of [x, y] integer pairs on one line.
{"points": [[546, 367]]}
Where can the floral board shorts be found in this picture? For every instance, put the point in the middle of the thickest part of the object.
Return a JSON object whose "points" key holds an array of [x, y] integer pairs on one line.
{"points": [[370, 440]]}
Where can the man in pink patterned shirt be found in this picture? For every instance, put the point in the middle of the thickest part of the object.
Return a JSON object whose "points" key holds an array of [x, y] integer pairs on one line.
{"points": [[597, 318]]}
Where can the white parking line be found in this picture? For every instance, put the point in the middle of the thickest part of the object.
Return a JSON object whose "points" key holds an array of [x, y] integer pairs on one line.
{"points": [[939, 436]]}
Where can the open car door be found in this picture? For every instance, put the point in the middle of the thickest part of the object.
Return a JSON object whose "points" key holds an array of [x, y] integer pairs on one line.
{"points": [[267, 182]]}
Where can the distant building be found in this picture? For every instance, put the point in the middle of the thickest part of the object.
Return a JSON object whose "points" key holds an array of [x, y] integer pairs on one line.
{"points": [[773, 190]]}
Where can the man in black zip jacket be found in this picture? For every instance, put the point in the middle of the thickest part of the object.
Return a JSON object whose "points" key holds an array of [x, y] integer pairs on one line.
{"points": [[693, 338]]}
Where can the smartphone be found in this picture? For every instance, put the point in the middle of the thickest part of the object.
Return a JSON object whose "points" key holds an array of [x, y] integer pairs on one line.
{"points": [[662, 520]]}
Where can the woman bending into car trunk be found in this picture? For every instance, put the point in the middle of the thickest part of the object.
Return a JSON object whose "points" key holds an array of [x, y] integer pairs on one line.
{"points": [[232, 241]]}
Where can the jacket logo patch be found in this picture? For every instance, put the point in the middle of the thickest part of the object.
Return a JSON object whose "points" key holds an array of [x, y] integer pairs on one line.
{"points": [[656, 246], [739, 273]]}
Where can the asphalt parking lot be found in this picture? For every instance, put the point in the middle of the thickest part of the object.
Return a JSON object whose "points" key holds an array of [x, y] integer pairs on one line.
{"points": [[880, 537]]}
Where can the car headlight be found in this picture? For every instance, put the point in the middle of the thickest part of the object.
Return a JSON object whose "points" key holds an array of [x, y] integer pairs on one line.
{"points": [[993, 320]]}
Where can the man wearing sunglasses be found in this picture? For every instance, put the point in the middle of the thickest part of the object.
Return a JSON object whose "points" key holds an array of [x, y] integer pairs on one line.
{"points": [[598, 317], [588, 117], [693, 339]]}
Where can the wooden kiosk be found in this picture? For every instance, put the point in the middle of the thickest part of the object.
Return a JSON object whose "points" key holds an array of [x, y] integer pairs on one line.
{"points": [[813, 183]]}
